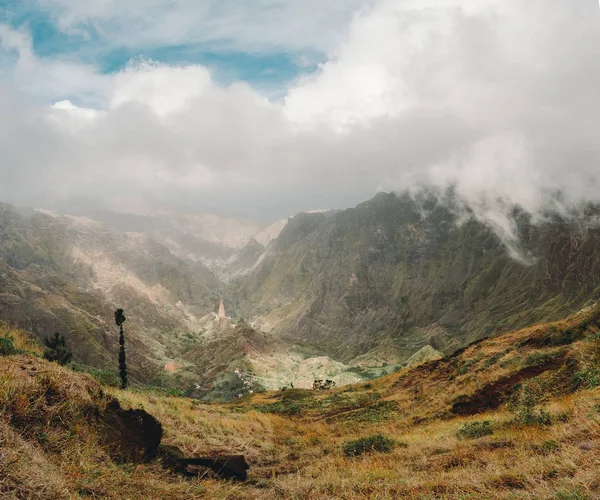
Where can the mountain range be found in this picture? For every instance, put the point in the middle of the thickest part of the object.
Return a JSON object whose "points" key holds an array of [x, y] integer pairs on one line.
{"points": [[340, 294]]}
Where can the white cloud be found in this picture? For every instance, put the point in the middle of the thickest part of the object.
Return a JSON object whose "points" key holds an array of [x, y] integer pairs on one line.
{"points": [[164, 88], [296, 25], [496, 97], [46, 79]]}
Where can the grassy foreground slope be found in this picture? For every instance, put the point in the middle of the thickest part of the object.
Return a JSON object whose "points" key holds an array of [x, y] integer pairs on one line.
{"points": [[516, 416]]}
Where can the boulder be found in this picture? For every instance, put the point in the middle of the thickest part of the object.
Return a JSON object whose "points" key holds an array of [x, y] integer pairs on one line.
{"points": [[130, 435], [223, 466]]}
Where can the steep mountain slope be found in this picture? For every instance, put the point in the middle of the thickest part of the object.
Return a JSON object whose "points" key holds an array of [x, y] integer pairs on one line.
{"points": [[345, 295], [205, 238], [68, 274], [415, 272]]}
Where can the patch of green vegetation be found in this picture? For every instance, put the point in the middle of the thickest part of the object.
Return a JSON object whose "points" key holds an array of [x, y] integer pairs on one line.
{"points": [[547, 447], [300, 402], [287, 408], [540, 358], [295, 394], [7, 347], [594, 338], [492, 360], [589, 379], [469, 364], [524, 409], [378, 443], [512, 362], [474, 430], [568, 495], [566, 336], [105, 377]]}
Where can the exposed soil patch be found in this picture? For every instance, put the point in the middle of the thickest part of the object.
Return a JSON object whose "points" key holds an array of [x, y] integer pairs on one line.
{"points": [[493, 395]]}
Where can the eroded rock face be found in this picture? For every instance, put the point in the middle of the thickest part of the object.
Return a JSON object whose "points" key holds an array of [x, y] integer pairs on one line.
{"points": [[131, 435]]}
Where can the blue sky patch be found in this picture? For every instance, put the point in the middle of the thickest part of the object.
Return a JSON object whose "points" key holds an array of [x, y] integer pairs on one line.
{"points": [[270, 72]]}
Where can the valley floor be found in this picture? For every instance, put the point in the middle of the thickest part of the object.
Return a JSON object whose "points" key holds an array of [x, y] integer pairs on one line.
{"points": [[515, 417]]}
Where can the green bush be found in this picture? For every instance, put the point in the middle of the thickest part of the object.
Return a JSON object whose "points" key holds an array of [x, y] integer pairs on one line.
{"points": [[594, 338], [547, 447], [56, 349], [589, 379], [295, 394], [524, 409], [540, 358], [105, 377], [474, 430], [369, 444], [7, 347], [567, 336], [287, 408]]}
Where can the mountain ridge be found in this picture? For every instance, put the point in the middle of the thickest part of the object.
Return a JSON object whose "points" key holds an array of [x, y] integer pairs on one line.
{"points": [[363, 289]]}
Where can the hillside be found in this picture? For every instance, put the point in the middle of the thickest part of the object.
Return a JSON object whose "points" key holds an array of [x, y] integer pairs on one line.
{"points": [[517, 416], [69, 274], [342, 295], [409, 272]]}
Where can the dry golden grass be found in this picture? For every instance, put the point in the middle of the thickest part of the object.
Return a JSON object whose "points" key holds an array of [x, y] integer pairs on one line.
{"points": [[22, 340], [49, 449]]}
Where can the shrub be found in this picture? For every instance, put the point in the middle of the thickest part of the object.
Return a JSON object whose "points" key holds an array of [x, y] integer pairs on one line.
{"points": [[369, 444], [539, 358], [320, 385], [469, 363], [295, 394], [590, 379], [474, 430], [105, 377], [7, 347], [492, 360], [56, 349], [525, 411], [594, 338], [288, 408], [566, 336]]}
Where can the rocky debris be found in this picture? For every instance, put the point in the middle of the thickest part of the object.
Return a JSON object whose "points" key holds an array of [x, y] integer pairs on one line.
{"points": [[223, 466], [131, 435]]}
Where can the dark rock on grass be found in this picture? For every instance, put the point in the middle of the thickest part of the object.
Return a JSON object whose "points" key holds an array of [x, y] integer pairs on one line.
{"points": [[131, 435], [223, 466]]}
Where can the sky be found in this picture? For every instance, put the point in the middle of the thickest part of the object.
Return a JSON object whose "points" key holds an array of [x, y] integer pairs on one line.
{"points": [[263, 108]]}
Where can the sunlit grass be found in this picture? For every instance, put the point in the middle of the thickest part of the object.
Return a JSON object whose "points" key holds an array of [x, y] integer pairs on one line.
{"points": [[50, 448]]}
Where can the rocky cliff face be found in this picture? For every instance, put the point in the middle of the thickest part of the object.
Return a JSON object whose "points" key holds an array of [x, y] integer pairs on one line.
{"points": [[415, 273]]}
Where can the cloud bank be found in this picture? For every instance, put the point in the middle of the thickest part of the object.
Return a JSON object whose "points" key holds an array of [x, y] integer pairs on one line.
{"points": [[496, 97]]}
